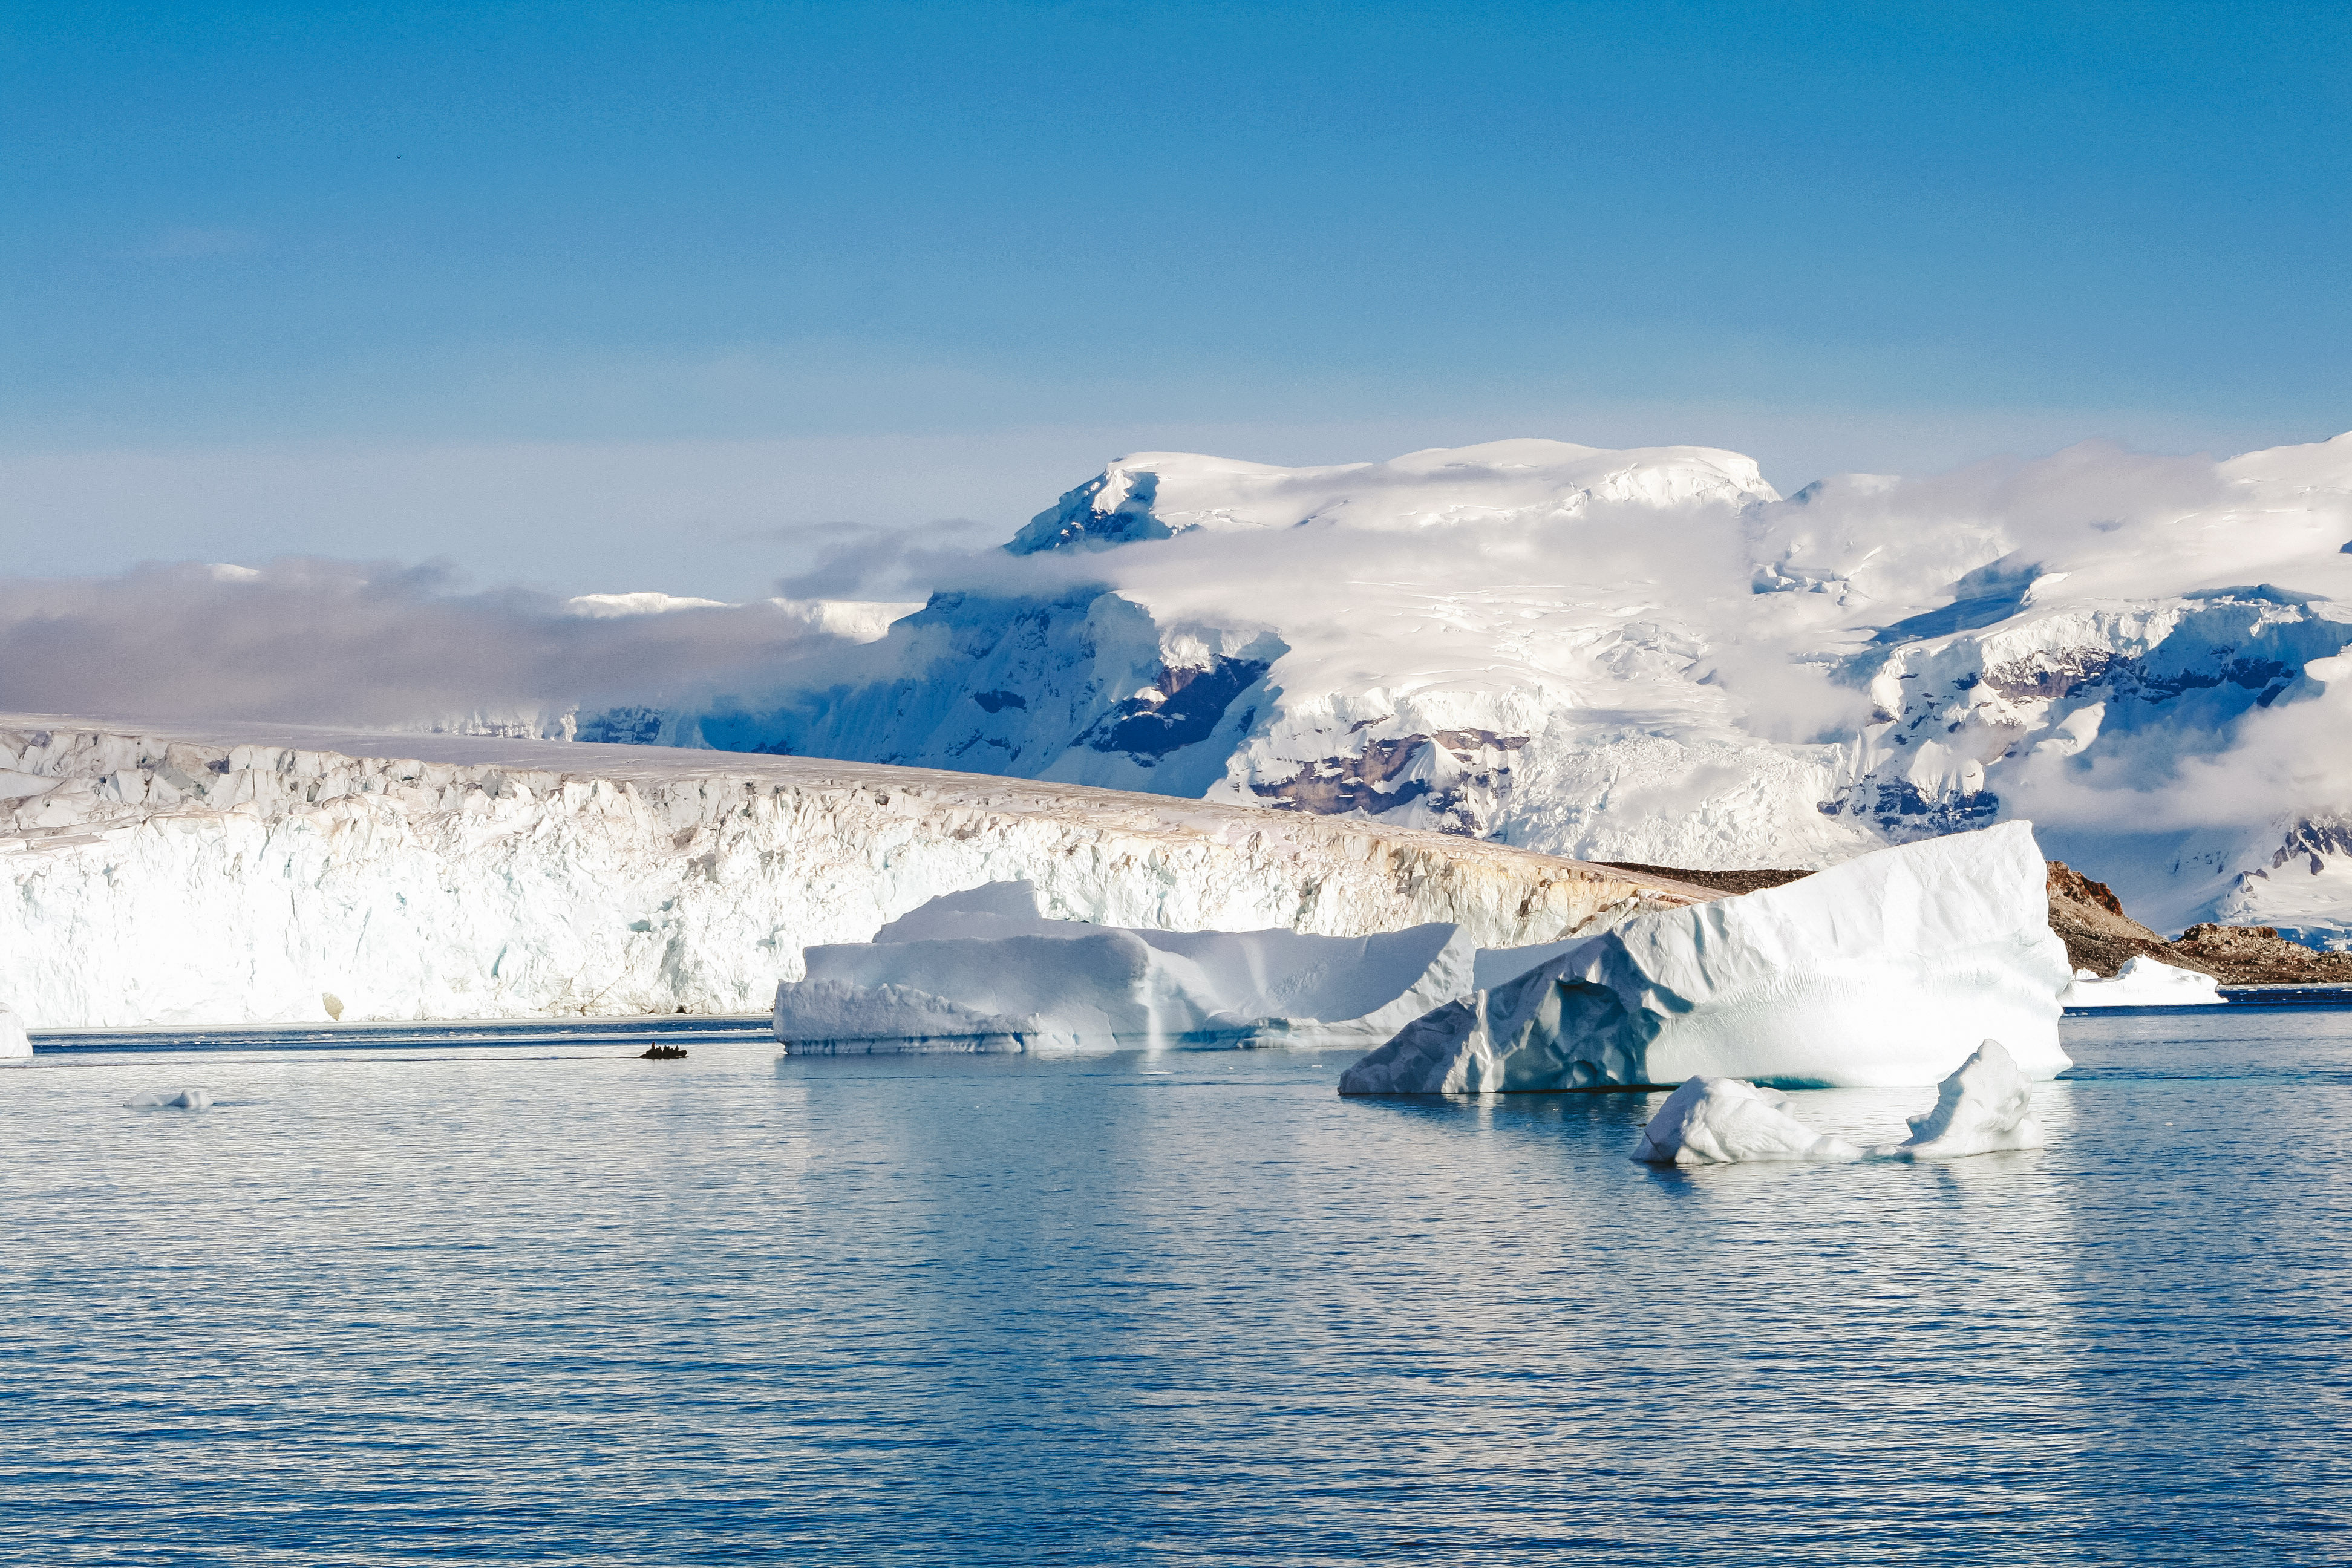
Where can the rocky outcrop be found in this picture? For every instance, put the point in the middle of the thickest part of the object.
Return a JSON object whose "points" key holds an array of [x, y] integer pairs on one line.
{"points": [[1721, 881], [2255, 955]]}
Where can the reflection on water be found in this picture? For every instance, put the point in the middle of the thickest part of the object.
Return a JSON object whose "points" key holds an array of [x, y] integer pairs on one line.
{"points": [[377, 1308]]}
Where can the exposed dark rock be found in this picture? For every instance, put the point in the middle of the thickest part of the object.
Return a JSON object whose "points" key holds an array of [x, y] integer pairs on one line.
{"points": [[1360, 782], [2256, 955], [2090, 919], [664, 1053], [1721, 881], [1182, 707]]}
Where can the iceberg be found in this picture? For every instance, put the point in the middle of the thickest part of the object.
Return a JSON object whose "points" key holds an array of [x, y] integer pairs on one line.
{"points": [[1985, 1106], [14, 1041], [1723, 1122], [2143, 982], [1885, 971], [169, 1100], [985, 970]]}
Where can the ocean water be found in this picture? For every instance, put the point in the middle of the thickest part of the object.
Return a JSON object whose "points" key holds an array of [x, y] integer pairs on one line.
{"points": [[509, 1294]]}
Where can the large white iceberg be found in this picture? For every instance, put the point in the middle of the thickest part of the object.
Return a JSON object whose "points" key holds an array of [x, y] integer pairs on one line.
{"points": [[2143, 982], [14, 1041], [985, 969], [1884, 971]]}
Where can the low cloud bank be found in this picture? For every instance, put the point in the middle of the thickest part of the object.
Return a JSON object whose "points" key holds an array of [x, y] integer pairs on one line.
{"points": [[369, 645]]}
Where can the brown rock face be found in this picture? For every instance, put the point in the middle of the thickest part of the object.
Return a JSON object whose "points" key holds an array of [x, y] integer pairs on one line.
{"points": [[2090, 919], [1721, 881]]}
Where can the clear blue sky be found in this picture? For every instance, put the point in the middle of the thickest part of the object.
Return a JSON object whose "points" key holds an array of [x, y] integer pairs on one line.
{"points": [[583, 294]]}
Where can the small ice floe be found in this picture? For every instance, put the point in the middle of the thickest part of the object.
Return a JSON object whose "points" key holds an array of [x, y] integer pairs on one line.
{"points": [[1985, 1106], [2143, 982], [169, 1100], [1724, 1121]]}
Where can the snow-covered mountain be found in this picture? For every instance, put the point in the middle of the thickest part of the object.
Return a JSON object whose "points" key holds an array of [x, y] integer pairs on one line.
{"points": [[1649, 656]]}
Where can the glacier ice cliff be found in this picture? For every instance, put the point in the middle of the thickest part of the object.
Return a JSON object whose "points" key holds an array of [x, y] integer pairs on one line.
{"points": [[985, 969], [1887, 970], [162, 874]]}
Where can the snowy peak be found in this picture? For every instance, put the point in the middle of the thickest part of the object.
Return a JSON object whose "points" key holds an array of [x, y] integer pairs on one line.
{"points": [[1156, 495]]}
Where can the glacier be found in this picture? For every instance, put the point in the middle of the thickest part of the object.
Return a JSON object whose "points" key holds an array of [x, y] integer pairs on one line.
{"points": [[160, 874], [1885, 971], [985, 970], [1650, 656]]}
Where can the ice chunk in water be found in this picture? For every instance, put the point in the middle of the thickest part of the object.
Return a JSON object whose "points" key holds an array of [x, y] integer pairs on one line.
{"points": [[2143, 982], [169, 1100], [14, 1041], [1723, 1122], [1985, 1106]]}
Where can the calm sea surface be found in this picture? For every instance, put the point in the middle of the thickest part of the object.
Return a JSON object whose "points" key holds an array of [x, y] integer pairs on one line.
{"points": [[509, 1294]]}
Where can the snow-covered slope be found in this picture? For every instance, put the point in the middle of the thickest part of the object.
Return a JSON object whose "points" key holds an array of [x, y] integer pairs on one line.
{"points": [[1647, 656], [158, 875]]}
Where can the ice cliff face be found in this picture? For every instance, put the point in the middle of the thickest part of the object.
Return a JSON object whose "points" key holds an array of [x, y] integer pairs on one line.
{"points": [[1648, 656], [160, 876]]}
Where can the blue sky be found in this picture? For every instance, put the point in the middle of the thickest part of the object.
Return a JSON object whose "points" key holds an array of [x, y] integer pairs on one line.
{"points": [[613, 297]]}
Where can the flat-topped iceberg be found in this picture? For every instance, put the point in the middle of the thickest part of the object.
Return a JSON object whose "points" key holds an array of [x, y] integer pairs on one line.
{"points": [[2143, 982], [1885, 971], [985, 969]]}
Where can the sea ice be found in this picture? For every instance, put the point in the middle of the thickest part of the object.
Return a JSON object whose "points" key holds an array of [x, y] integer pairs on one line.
{"points": [[2143, 982], [169, 1100], [1986, 1105], [985, 970], [1722, 1121], [1884, 971]]}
